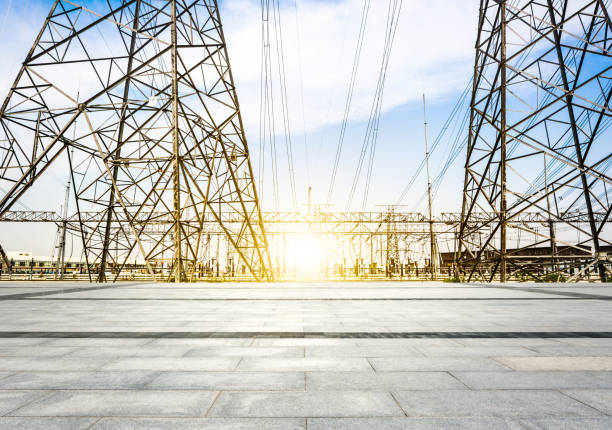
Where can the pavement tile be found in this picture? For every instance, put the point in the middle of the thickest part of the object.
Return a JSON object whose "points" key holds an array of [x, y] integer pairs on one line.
{"points": [[493, 342], [201, 424], [412, 423], [558, 363], [599, 399], [97, 342], [11, 400], [574, 350], [534, 380], [142, 351], [304, 364], [46, 423], [77, 380], [305, 404], [257, 381], [120, 403], [603, 423], [511, 403], [304, 342], [433, 364], [362, 351], [50, 364], [174, 363], [585, 341], [22, 341], [381, 381], [198, 343], [407, 342], [245, 351], [475, 351], [35, 351]]}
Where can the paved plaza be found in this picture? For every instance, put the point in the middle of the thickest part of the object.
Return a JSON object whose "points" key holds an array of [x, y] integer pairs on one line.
{"points": [[344, 355]]}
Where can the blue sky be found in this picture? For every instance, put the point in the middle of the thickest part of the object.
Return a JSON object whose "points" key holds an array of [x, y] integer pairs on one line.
{"points": [[319, 39]]}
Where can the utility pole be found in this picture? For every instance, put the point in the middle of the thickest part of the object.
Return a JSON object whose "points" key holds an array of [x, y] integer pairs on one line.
{"points": [[61, 256], [503, 125], [309, 201], [432, 238], [551, 227]]}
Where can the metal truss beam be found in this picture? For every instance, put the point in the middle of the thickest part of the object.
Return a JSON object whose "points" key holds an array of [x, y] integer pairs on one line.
{"points": [[538, 135], [155, 134]]}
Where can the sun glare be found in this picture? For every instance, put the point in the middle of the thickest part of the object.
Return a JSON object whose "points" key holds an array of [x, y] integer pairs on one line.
{"points": [[303, 254]]}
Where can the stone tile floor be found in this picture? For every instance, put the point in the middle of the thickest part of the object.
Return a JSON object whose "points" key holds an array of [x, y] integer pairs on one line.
{"points": [[371, 355]]}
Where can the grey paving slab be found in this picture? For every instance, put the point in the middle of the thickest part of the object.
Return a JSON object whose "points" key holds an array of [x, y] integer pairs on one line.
{"points": [[134, 351], [362, 351], [246, 351], [599, 399], [256, 381], [411, 423], [305, 404], [475, 351], [304, 364], [432, 364], [511, 403], [558, 363], [35, 351], [573, 350], [120, 403], [46, 423], [51, 363], [11, 400], [604, 423], [407, 342], [381, 381], [4, 342], [587, 341], [534, 380], [305, 342], [524, 342], [96, 342], [198, 343], [201, 424], [77, 380], [176, 363]]}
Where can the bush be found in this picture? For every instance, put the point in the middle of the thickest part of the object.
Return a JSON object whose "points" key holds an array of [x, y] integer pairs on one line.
{"points": [[454, 279]]}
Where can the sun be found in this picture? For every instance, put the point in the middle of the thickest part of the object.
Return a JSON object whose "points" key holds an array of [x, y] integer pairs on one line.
{"points": [[303, 254]]}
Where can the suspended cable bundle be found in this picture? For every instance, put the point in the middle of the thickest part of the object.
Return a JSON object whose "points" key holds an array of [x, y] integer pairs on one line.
{"points": [[271, 23], [371, 135], [349, 96]]}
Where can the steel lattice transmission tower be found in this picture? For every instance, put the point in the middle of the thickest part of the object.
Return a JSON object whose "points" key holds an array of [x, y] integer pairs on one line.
{"points": [[538, 138], [153, 136]]}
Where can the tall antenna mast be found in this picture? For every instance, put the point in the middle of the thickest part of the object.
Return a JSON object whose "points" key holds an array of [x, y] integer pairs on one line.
{"points": [[432, 238]]}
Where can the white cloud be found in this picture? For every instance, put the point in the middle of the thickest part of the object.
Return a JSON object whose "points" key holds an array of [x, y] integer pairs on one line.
{"points": [[433, 52]]}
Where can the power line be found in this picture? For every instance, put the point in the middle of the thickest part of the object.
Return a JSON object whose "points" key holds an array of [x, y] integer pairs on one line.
{"points": [[299, 53], [280, 57], [349, 96], [369, 142]]}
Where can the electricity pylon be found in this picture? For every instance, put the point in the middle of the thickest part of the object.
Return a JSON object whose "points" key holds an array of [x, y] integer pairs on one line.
{"points": [[140, 102], [538, 138]]}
